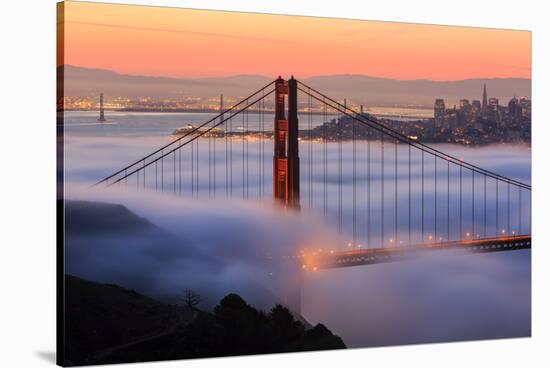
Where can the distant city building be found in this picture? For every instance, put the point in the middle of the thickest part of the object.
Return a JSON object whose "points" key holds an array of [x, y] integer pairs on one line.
{"points": [[484, 100], [452, 118], [465, 117], [525, 108], [464, 104], [476, 110], [439, 113], [493, 110], [481, 118], [514, 109]]}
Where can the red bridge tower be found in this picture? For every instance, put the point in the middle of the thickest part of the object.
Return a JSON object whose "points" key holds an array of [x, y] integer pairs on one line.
{"points": [[286, 163]]}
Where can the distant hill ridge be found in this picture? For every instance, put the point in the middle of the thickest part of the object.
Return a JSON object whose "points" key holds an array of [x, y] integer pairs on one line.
{"points": [[373, 91]]}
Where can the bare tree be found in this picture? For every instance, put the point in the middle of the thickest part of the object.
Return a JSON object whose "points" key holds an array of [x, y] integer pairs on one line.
{"points": [[190, 299]]}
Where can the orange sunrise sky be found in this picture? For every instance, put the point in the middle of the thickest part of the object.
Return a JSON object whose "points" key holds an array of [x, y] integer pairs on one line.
{"points": [[176, 42]]}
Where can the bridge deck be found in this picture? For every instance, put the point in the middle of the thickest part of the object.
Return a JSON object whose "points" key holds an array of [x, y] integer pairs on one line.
{"points": [[391, 254]]}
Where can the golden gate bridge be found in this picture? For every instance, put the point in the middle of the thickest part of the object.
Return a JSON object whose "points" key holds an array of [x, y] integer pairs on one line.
{"points": [[392, 211]]}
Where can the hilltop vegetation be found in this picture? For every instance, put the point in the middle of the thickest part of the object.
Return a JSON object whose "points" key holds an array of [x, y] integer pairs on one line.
{"points": [[110, 324]]}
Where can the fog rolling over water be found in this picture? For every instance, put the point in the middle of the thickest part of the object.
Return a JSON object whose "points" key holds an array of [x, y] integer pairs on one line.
{"points": [[438, 297], [224, 243]]}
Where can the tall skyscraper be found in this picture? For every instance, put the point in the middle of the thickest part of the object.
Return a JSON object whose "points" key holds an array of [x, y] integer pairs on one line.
{"points": [[439, 113], [493, 110], [525, 107], [484, 100], [514, 109], [465, 113]]}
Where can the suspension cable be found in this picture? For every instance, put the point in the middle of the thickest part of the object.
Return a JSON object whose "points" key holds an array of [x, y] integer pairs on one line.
{"points": [[191, 132], [193, 139]]}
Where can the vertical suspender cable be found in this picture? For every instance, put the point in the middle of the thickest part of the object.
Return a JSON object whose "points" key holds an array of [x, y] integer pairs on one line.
{"points": [[409, 207], [448, 201], [435, 199], [395, 195], [369, 188], [473, 206], [243, 155], [216, 135], [496, 210], [231, 156], [193, 189], [484, 206], [246, 139], [260, 132], [354, 183], [382, 188], [423, 234], [508, 210], [226, 134], [460, 215], [325, 153], [262, 145], [529, 218], [197, 166], [209, 164], [311, 149], [179, 170], [339, 125], [520, 228]]}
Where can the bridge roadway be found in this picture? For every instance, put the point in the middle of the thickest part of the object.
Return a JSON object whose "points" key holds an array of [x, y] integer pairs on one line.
{"points": [[358, 257]]}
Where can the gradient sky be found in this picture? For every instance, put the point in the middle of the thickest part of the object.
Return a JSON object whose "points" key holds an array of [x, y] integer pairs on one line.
{"points": [[195, 43]]}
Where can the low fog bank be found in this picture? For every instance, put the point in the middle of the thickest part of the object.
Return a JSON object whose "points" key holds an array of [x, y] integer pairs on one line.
{"points": [[221, 246], [449, 296], [160, 245]]}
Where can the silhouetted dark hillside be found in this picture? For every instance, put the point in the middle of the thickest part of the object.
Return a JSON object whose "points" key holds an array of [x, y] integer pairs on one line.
{"points": [[99, 316], [109, 324]]}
